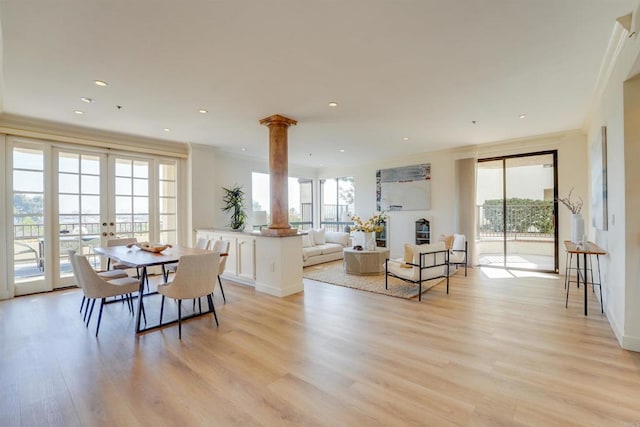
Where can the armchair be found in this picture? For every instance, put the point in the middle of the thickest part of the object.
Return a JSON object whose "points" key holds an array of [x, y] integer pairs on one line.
{"points": [[459, 252], [421, 263]]}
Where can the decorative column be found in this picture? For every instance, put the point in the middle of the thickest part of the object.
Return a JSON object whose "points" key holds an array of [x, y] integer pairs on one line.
{"points": [[279, 174]]}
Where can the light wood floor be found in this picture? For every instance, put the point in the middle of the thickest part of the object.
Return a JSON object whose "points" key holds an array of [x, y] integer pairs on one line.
{"points": [[492, 352]]}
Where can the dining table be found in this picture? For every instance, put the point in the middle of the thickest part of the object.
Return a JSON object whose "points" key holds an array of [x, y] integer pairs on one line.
{"points": [[135, 257]]}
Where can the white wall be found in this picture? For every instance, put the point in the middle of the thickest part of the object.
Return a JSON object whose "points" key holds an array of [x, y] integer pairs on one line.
{"points": [[617, 109], [572, 172]]}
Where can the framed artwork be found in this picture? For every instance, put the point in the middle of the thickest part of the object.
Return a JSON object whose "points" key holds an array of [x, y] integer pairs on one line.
{"points": [[599, 209], [405, 188]]}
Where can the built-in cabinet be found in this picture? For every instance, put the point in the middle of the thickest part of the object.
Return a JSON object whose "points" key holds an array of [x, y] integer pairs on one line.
{"points": [[241, 261], [381, 237], [423, 232]]}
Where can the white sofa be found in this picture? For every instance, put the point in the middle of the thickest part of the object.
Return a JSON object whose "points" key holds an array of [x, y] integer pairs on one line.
{"points": [[320, 246]]}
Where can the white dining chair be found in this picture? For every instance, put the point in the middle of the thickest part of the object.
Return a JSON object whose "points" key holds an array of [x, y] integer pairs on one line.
{"points": [[201, 243], [195, 278], [222, 247], [95, 287], [107, 275]]}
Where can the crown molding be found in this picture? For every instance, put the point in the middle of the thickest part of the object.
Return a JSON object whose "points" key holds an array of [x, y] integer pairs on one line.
{"points": [[619, 36], [52, 131]]}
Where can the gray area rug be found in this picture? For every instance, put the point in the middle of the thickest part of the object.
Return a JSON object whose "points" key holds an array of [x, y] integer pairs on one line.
{"points": [[333, 273]]}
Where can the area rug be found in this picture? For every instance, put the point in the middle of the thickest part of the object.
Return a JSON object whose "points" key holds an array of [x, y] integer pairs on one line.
{"points": [[333, 273]]}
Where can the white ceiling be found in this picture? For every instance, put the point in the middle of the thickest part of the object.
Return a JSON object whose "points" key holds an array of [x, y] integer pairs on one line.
{"points": [[423, 69]]}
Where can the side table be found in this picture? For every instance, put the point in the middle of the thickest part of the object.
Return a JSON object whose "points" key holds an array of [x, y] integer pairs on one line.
{"points": [[589, 249]]}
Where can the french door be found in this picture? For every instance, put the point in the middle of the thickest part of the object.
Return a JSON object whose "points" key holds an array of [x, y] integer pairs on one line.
{"points": [[517, 207], [67, 198]]}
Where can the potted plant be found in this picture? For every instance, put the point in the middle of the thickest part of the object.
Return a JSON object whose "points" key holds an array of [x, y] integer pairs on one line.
{"points": [[233, 201]]}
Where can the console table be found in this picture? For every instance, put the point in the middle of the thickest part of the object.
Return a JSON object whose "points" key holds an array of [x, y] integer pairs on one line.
{"points": [[587, 250]]}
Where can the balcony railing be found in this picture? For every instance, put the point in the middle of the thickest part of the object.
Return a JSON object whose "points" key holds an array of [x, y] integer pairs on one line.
{"points": [[528, 221]]}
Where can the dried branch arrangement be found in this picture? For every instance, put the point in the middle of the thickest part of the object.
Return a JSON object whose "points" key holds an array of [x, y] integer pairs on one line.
{"points": [[574, 207]]}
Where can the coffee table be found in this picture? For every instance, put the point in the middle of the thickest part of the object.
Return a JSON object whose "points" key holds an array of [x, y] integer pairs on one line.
{"points": [[365, 262]]}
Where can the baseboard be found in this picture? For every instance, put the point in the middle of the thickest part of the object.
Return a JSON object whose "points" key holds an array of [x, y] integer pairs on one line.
{"points": [[631, 343], [238, 279], [626, 341], [277, 291]]}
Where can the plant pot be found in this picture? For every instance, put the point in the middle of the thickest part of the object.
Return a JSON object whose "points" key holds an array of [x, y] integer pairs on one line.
{"points": [[365, 239]]}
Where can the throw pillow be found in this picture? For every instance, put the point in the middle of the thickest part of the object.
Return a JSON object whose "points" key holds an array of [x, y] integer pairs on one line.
{"points": [[408, 256], [448, 241], [306, 241], [318, 236], [337, 237], [458, 242]]}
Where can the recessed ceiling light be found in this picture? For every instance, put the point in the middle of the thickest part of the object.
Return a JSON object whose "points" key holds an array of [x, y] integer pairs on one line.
{"points": [[333, 104], [87, 100], [166, 130], [100, 83], [79, 112], [242, 148], [342, 151], [203, 111], [522, 116], [406, 138]]}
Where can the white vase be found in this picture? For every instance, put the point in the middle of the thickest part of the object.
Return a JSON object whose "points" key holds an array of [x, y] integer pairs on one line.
{"points": [[577, 228], [364, 239]]}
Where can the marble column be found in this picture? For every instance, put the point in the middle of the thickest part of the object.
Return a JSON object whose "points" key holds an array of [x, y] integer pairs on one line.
{"points": [[279, 174]]}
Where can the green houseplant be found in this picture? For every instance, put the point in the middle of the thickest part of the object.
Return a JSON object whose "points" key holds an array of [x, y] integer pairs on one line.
{"points": [[233, 201]]}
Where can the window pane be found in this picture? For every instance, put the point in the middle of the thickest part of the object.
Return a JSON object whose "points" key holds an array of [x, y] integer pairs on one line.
{"points": [[68, 162], [123, 205], [141, 205], [123, 167], [141, 223], [68, 183], [141, 187], [90, 204], [92, 223], [167, 205], [167, 189], [168, 172], [90, 164], [90, 184], [168, 237], [28, 204], [123, 186], [25, 158], [141, 169], [67, 223], [28, 181], [168, 222], [68, 204]]}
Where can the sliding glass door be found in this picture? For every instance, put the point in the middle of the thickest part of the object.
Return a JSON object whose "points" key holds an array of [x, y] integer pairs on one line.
{"points": [[517, 210]]}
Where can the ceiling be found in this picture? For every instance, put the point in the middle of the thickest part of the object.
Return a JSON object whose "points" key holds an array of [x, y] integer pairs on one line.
{"points": [[441, 73]]}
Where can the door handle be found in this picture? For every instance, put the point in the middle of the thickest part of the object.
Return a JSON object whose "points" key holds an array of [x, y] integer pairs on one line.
{"points": [[112, 234], [111, 224], [104, 224], [104, 234]]}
